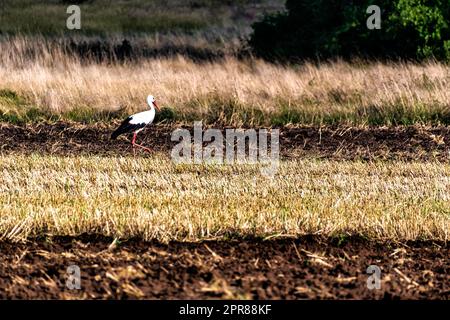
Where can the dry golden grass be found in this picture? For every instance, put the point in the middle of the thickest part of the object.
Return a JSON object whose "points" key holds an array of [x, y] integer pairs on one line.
{"points": [[250, 92], [151, 198]]}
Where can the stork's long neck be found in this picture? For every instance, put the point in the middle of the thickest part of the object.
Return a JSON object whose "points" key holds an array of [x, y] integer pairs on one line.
{"points": [[151, 105], [152, 109]]}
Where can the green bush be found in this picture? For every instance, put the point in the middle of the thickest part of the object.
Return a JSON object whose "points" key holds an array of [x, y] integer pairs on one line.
{"points": [[311, 29]]}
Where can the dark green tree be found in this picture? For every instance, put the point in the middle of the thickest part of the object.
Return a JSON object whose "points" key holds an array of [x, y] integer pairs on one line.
{"points": [[320, 29]]}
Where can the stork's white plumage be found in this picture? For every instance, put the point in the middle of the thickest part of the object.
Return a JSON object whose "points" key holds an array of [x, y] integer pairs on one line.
{"points": [[137, 122]]}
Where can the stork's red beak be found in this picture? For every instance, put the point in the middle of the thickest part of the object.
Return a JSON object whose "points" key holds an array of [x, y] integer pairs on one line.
{"points": [[156, 106]]}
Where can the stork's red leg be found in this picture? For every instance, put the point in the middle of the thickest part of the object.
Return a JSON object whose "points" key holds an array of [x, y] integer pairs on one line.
{"points": [[141, 146], [133, 142]]}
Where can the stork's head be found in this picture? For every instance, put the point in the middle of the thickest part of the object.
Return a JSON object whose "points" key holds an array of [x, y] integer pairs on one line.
{"points": [[152, 102]]}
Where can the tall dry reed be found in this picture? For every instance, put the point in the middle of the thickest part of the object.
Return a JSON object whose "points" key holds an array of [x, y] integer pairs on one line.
{"points": [[52, 80]]}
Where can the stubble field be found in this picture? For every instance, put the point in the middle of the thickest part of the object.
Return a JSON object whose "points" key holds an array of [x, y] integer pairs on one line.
{"points": [[141, 226]]}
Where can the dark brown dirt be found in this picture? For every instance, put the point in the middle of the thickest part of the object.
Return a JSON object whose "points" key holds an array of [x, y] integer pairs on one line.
{"points": [[277, 269], [365, 143]]}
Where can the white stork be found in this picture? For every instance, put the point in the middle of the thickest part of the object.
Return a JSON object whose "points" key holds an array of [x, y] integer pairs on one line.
{"points": [[137, 122]]}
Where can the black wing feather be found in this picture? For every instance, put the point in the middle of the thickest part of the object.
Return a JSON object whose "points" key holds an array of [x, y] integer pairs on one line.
{"points": [[126, 127]]}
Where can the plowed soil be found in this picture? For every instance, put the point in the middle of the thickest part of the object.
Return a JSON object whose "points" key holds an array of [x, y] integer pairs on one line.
{"points": [[363, 143], [276, 269]]}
